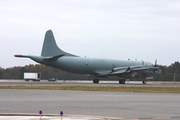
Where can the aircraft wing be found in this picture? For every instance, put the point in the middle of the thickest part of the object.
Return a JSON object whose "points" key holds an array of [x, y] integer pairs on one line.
{"points": [[140, 68], [102, 73], [125, 70]]}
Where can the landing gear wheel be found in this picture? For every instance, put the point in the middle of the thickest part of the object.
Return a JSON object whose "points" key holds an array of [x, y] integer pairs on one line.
{"points": [[96, 81], [144, 82], [122, 81]]}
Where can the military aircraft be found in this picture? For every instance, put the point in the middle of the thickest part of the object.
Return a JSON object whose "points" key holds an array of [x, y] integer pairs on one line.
{"points": [[53, 56]]}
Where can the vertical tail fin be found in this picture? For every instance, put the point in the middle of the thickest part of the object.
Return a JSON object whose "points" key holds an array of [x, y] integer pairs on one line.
{"points": [[50, 47]]}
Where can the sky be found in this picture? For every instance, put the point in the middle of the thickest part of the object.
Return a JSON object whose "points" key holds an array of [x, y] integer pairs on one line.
{"points": [[114, 29]]}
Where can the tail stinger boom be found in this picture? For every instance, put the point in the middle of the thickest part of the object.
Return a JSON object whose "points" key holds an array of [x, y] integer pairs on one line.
{"points": [[50, 47]]}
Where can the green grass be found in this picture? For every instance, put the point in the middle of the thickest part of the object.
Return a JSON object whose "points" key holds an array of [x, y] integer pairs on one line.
{"points": [[100, 88]]}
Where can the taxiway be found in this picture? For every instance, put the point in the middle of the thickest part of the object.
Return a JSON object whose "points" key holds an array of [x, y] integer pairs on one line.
{"points": [[87, 83], [101, 105]]}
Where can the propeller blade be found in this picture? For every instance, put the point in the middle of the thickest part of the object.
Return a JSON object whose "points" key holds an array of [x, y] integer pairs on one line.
{"points": [[155, 65]]}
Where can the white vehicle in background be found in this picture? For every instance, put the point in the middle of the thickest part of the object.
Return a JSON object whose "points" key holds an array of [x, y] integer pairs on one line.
{"points": [[32, 76]]}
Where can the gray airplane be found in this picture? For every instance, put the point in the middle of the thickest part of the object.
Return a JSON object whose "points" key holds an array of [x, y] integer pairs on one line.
{"points": [[53, 56]]}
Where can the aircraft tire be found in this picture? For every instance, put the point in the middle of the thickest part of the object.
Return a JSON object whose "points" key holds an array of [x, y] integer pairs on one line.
{"points": [[96, 81], [122, 81], [144, 82]]}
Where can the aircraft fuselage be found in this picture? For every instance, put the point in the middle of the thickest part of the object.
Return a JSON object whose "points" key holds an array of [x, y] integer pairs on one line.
{"points": [[87, 65]]}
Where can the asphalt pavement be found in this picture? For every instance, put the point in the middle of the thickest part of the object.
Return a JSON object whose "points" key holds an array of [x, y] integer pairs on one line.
{"points": [[83, 105], [99, 105]]}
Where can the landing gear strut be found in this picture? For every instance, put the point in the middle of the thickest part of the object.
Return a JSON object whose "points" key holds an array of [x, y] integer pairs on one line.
{"points": [[96, 81], [144, 82], [122, 81]]}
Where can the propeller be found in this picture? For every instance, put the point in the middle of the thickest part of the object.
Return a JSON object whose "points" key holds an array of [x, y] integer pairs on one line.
{"points": [[155, 65], [157, 71]]}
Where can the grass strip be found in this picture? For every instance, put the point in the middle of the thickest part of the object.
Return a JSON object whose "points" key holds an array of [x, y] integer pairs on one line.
{"points": [[101, 88]]}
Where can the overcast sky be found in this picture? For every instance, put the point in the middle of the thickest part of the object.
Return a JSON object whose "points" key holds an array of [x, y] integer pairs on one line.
{"points": [[114, 29]]}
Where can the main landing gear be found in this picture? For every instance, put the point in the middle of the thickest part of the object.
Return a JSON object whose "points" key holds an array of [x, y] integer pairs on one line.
{"points": [[144, 82], [122, 81], [96, 81]]}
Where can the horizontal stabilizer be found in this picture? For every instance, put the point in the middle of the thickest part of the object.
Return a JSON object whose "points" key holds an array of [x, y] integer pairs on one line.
{"points": [[53, 58], [21, 56]]}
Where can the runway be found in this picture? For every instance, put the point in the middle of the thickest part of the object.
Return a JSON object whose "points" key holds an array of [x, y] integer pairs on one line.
{"points": [[98, 105], [105, 104], [87, 83]]}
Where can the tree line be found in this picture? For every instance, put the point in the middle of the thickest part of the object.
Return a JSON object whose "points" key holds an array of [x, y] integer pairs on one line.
{"points": [[168, 73], [47, 72]]}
